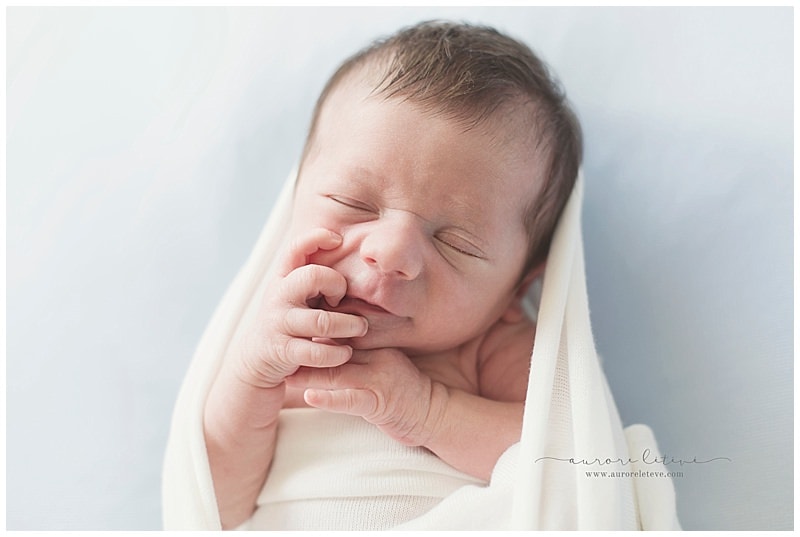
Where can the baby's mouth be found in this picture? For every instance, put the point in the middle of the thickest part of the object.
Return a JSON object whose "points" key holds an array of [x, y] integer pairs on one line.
{"points": [[348, 304], [359, 306]]}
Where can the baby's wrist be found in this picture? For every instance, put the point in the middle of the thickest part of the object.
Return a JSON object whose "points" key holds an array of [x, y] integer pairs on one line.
{"points": [[436, 419], [250, 405], [249, 363]]}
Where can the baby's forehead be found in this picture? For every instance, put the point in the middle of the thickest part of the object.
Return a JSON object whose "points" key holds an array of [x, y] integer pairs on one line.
{"points": [[508, 136], [505, 106], [510, 129]]}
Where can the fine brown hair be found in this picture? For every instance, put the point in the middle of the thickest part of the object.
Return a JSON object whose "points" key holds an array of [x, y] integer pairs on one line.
{"points": [[470, 74]]}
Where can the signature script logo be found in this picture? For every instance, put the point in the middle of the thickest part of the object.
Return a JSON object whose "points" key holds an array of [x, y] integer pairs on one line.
{"points": [[647, 458]]}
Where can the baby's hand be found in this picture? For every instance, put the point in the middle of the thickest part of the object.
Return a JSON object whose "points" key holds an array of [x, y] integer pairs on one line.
{"points": [[289, 332], [385, 388]]}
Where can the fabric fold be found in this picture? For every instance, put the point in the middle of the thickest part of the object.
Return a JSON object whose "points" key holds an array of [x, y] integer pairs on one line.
{"points": [[571, 425]]}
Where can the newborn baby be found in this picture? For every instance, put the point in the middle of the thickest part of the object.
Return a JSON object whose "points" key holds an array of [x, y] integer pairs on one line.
{"points": [[436, 166]]}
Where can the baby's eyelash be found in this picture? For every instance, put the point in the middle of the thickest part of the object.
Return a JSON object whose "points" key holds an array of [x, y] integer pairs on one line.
{"points": [[452, 246], [348, 202], [456, 244]]}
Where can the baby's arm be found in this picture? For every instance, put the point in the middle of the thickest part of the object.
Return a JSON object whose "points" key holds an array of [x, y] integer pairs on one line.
{"points": [[480, 427], [475, 431], [240, 416], [468, 431]]}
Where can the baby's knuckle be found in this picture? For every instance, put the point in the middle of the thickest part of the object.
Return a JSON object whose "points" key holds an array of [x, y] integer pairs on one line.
{"points": [[384, 375], [292, 285], [349, 400], [263, 373], [321, 355], [377, 407], [281, 350], [296, 245], [315, 355], [314, 274], [324, 323], [278, 322], [253, 365]]}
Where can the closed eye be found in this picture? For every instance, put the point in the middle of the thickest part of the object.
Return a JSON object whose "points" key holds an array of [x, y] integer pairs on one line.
{"points": [[461, 246], [351, 203]]}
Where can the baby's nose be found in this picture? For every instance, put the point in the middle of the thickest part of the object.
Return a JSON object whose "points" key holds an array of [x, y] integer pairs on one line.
{"points": [[395, 246]]}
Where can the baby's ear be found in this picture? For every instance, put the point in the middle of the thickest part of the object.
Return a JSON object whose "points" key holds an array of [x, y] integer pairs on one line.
{"points": [[515, 312]]}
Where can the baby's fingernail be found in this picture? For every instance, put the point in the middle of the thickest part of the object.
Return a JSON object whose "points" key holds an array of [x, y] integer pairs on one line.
{"points": [[309, 396], [364, 327], [333, 301]]}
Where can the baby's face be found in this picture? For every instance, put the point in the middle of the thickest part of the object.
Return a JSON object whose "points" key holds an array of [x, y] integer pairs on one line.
{"points": [[431, 219]]}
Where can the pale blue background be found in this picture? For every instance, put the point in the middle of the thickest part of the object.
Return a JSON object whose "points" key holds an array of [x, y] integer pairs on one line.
{"points": [[145, 148]]}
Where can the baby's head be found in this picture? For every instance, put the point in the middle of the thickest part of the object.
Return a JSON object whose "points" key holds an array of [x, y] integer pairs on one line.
{"points": [[479, 78], [443, 157]]}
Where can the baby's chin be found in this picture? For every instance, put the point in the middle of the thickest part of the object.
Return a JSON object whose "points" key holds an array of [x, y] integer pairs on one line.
{"points": [[367, 344]]}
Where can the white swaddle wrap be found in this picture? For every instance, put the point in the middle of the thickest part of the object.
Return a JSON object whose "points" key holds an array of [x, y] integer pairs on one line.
{"points": [[338, 472], [549, 480]]}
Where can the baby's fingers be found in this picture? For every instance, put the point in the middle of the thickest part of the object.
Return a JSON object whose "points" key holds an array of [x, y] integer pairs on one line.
{"points": [[311, 323], [304, 246], [297, 352], [312, 281], [353, 401]]}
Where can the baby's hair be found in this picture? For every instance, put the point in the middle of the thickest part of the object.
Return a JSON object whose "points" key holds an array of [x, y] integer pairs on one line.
{"points": [[470, 74]]}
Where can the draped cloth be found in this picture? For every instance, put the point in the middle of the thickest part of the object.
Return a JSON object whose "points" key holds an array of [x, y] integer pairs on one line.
{"points": [[575, 466]]}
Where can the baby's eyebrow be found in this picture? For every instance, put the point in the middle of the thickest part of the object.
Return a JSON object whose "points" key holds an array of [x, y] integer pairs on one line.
{"points": [[365, 176], [468, 216]]}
